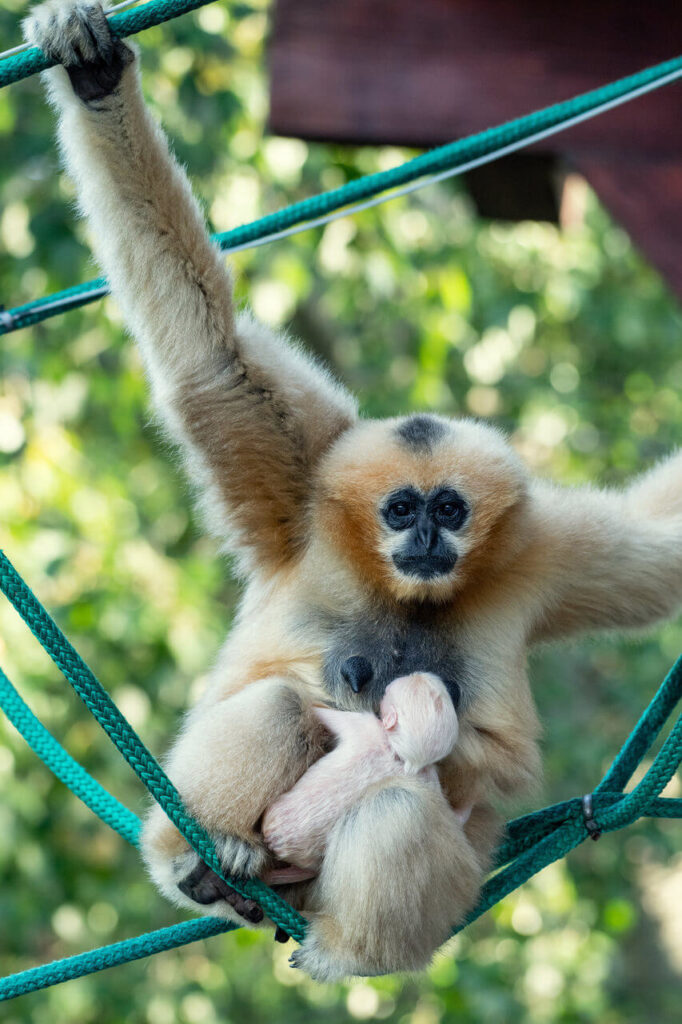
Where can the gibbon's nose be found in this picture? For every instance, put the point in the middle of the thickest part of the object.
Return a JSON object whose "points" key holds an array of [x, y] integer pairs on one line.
{"points": [[426, 530], [357, 672]]}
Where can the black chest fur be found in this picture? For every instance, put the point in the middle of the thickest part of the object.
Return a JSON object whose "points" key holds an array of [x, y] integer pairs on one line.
{"points": [[395, 643]]}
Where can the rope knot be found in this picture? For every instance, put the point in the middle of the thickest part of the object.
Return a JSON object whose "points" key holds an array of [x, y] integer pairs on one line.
{"points": [[591, 825]]}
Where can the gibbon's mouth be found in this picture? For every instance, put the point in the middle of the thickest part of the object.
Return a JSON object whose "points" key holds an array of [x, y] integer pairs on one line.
{"points": [[425, 567]]}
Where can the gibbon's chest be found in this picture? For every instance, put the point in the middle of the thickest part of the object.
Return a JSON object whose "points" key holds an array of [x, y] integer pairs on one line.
{"points": [[392, 645]]}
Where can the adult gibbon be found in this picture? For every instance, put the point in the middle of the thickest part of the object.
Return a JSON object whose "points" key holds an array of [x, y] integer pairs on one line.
{"points": [[369, 550]]}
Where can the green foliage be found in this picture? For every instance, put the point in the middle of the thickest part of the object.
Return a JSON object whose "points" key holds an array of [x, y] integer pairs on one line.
{"points": [[566, 339]]}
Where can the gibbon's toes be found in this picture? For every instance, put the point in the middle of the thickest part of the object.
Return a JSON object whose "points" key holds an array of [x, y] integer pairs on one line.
{"points": [[71, 32], [203, 886], [241, 857], [321, 966]]}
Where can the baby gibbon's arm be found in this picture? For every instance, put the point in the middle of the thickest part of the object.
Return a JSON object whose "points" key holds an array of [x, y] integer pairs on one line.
{"points": [[251, 412], [606, 558]]}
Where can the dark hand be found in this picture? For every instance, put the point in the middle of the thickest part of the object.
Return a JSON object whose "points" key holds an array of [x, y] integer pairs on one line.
{"points": [[76, 33]]}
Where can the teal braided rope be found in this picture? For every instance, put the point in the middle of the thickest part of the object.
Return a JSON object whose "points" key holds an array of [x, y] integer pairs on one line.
{"points": [[126, 23], [642, 736], [123, 821], [522, 833], [624, 809], [111, 956], [145, 766], [72, 774], [531, 842], [449, 157]]}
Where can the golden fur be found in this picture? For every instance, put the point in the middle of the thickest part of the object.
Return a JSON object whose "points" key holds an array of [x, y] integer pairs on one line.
{"points": [[291, 480]]}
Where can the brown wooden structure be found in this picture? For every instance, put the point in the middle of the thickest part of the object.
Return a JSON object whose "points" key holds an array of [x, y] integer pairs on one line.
{"points": [[423, 72]]}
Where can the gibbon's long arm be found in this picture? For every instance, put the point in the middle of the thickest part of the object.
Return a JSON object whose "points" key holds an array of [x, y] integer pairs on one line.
{"points": [[252, 413], [605, 558]]}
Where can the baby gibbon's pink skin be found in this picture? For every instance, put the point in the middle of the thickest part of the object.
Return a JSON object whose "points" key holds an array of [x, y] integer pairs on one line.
{"points": [[418, 726]]}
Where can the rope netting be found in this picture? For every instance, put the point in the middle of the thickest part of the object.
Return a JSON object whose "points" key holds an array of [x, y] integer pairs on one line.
{"points": [[531, 842]]}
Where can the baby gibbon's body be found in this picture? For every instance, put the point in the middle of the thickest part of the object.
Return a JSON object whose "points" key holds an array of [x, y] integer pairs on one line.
{"points": [[417, 727], [417, 544]]}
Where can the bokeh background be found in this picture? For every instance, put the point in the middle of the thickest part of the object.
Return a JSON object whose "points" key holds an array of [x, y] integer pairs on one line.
{"points": [[566, 339]]}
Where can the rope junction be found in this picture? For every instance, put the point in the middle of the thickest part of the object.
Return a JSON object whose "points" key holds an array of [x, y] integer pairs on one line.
{"points": [[531, 842]]}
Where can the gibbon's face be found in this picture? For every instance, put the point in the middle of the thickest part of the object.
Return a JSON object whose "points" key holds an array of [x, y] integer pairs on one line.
{"points": [[420, 504]]}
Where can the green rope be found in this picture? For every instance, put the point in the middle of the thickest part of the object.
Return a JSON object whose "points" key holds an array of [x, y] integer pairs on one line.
{"points": [[127, 23], [531, 842], [111, 956], [73, 775], [455, 155], [91, 691]]}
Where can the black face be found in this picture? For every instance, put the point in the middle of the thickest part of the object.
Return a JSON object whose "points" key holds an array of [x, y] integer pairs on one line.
{"points": [[426, 520]]}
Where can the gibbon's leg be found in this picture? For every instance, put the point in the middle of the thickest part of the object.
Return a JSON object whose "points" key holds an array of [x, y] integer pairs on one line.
{"points": [[605, 558], [231, 761], [398, 875], [252, 413]]}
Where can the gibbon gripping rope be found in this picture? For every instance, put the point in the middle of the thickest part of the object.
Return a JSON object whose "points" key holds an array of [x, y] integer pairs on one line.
{"points": [[531, 842]]}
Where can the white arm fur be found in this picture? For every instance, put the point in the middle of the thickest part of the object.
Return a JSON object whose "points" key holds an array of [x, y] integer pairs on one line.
{"points": [[252, 413], [606, 558]]}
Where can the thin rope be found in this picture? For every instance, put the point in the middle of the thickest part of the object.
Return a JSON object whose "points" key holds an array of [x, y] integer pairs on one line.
{"points": [[521, 834], [72, 774], [111, 956], [363, 193], [108, 12], [127, 23]]}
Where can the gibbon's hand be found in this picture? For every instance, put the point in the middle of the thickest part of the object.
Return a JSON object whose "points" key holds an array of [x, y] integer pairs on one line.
{"points": [[77, 34], [204, 887]]}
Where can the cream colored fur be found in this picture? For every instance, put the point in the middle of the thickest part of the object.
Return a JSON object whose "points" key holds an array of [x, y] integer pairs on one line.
{"points": [[292, 481], [417, 727]]}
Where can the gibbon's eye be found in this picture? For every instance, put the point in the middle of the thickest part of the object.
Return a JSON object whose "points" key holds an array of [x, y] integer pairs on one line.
{"points": [[450, 511], [399, 515]]}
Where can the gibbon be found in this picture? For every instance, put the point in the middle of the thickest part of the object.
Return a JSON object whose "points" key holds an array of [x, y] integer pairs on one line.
{"points": [[416, 727], [368, 550]]}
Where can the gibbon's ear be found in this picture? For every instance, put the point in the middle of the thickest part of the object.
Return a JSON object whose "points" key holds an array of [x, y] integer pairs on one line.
{"points": [[390, 719]]}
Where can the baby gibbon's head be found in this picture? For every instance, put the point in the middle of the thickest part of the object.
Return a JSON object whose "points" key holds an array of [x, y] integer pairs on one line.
{"points": [[420, 505], [420, 720]]}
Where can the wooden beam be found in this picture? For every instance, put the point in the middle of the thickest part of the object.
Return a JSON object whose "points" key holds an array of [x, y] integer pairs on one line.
{"points": [[421, 73]]}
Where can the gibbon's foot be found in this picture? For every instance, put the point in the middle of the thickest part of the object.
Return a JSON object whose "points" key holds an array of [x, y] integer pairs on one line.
{"points": [[76, 33], [322, 965], [237, 857]]}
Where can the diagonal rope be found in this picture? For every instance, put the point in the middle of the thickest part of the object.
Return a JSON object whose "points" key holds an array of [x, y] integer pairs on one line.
{"points": [[122, 734], [72, 774], [111, 956], [435, 165], [27, 62]]}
